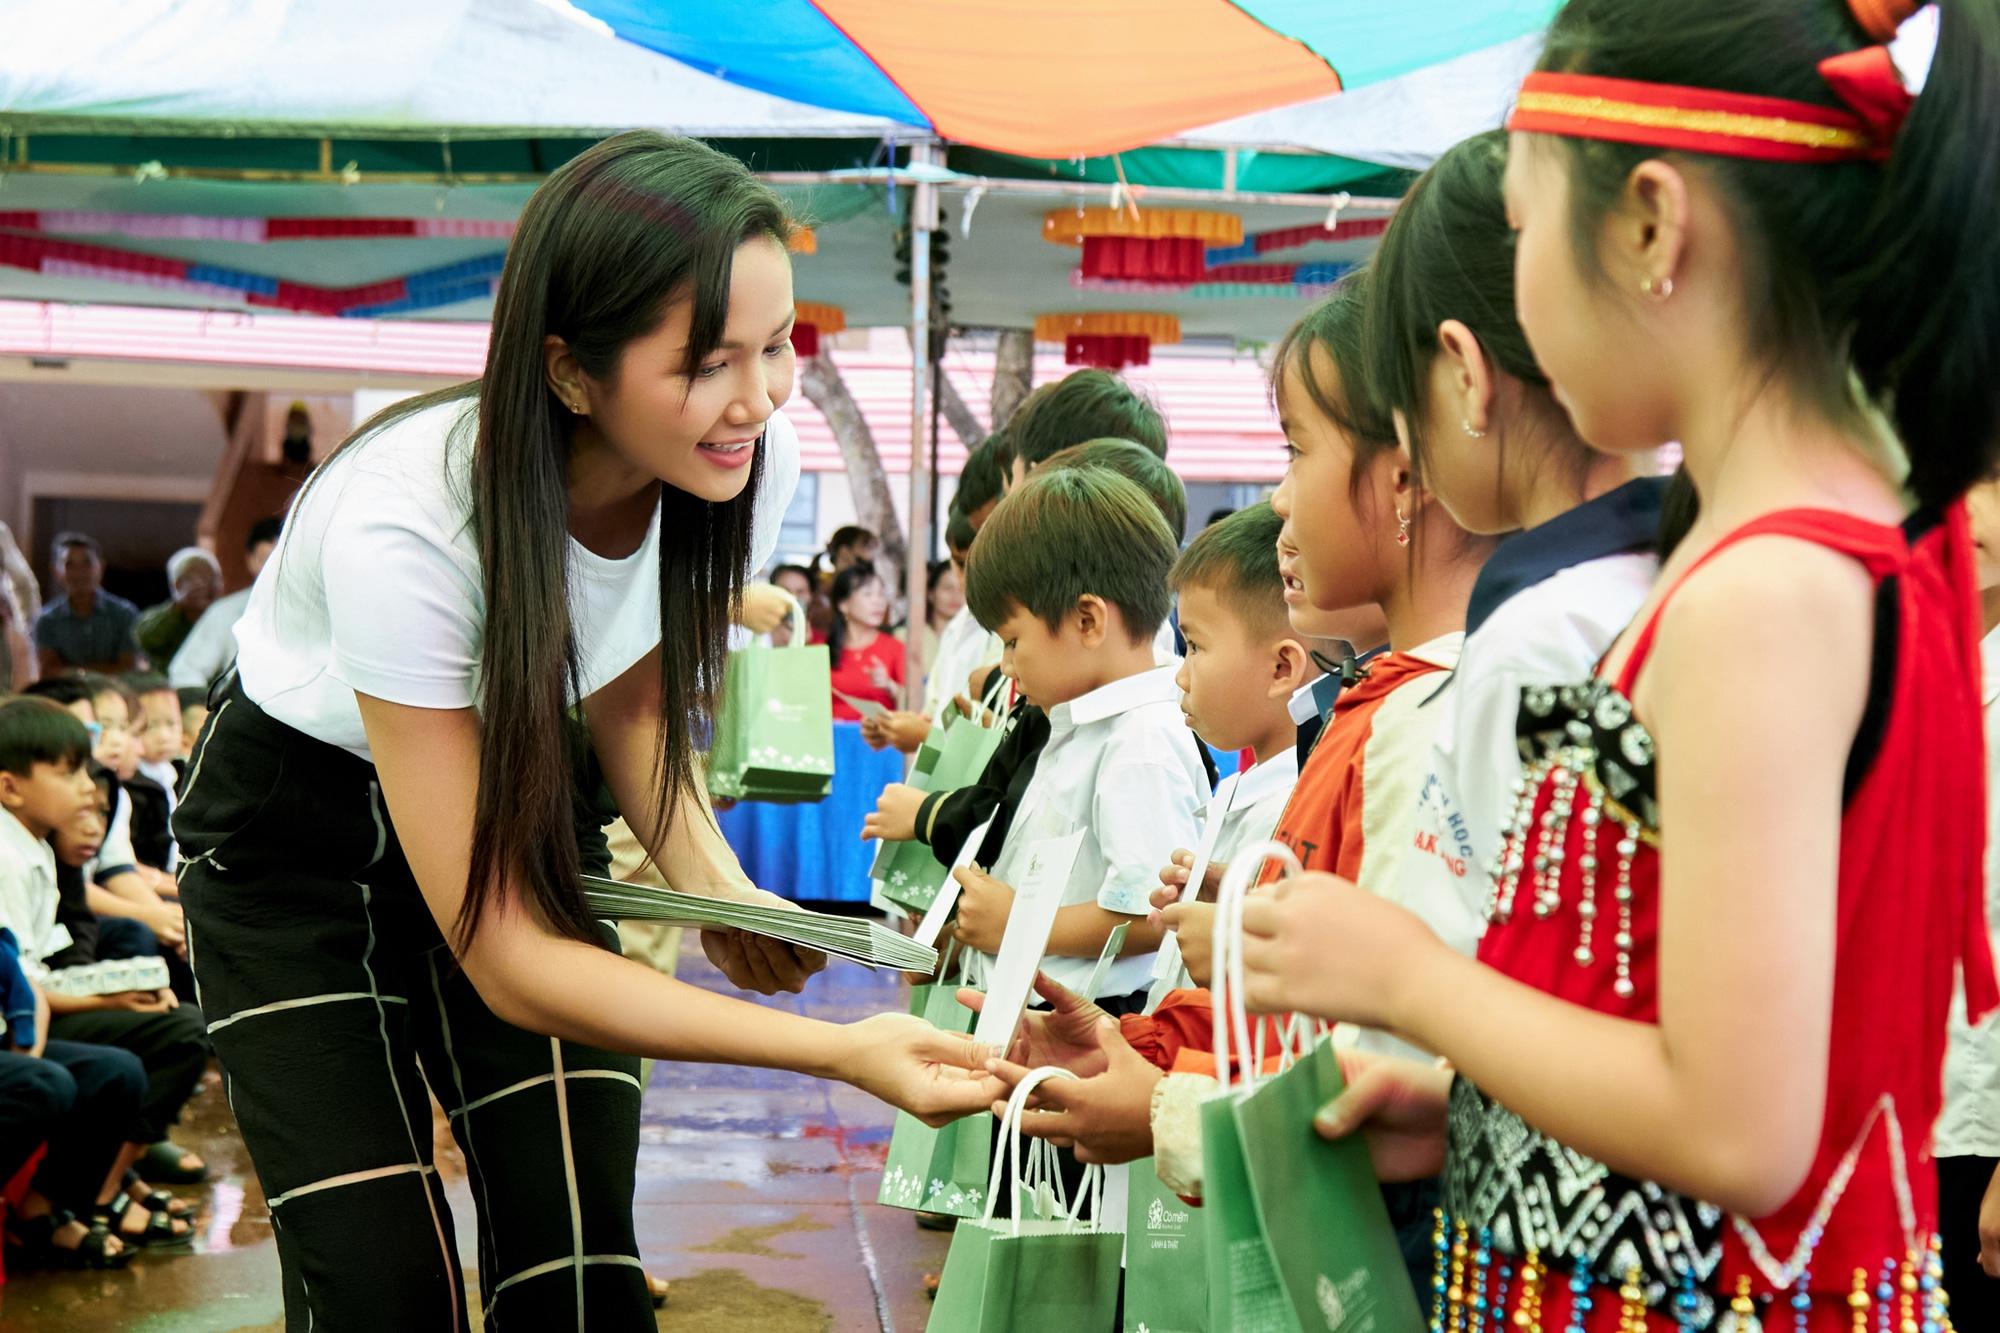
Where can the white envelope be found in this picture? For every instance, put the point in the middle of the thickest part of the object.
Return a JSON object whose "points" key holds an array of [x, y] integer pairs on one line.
{"points": [[1037, 897]]}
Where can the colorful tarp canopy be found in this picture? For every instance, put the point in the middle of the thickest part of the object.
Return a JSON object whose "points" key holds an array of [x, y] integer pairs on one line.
{"points": [[1059, 78]]}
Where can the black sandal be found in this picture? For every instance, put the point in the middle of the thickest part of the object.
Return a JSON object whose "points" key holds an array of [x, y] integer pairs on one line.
{"points": [[157, 1200], [159, 1228], [161, 1164], [35, 1238]]}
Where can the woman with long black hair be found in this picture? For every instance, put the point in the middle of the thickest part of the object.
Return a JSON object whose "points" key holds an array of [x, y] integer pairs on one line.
{"points": [[379, 824]]}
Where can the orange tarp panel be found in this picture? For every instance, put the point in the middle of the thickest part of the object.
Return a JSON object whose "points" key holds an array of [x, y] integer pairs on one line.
{"points": [[1079, 82]]}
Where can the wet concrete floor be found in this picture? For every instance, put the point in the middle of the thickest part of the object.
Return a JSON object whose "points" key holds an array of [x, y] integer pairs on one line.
{"points": [[756, 1199]]}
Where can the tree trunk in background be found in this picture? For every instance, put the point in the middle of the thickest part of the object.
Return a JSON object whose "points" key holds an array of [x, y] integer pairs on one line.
{"points": [[967, 426], [873, 508], [1013, 372]]}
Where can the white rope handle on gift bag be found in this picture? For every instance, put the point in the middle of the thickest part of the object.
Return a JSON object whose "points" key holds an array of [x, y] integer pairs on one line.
{"points": [[989, 706], [1010, 1163], [799, 636], [1227, 963]]}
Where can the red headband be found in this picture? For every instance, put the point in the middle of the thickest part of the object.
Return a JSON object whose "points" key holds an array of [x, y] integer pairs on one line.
{"points": [[1706, 120]]}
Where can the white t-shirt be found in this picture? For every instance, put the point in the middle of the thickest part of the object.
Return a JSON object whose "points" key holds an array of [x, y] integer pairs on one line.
{"points": [[1121, 765], [209, 647], [963, 647], [1550, 633], [375, 584]]}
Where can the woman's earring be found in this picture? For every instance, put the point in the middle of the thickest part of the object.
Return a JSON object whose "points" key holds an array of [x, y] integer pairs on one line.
{"points": [[1466, 424], [1663, 289], [1402, 527]]}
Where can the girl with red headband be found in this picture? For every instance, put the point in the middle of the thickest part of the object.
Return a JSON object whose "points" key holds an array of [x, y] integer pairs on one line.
{"points": [[1695, 1066]]}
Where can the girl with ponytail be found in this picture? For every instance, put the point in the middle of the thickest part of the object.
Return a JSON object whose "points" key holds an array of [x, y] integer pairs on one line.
{"points": [[380, 825], [1695, 1065]]}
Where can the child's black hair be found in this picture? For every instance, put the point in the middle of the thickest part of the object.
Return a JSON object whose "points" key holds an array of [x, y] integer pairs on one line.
{"points": [[1086, 405], [1068, 533], [1890, 269], [1449, 254], [981, 481], [40, 731], [1336, 328]]}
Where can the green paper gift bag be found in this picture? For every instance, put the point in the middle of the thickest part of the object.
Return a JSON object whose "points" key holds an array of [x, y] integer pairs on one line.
{"points": [[1300, 1241], [939, 1170], [1320, 1206], [911, 873], [1166, 1263], [774, 729], [1030, 1275]]}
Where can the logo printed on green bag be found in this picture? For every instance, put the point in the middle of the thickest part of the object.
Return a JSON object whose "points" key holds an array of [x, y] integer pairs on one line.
{"points": [[1340, 1300]]}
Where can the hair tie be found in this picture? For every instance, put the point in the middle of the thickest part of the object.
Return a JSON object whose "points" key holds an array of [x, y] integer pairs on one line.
{"points": [[1881, 18], [1869, 83]]}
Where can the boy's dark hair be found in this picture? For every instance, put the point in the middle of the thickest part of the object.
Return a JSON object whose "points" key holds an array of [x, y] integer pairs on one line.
{"points": [[264, 530], [143, 683], [63, 690], [1236, 557], [959, 532], [65, 540], [1336, 328], [1088, 405], [1889, 269], [1137, 464], [980, 482], [40, 731], [1068, 533], [1449, 254]]}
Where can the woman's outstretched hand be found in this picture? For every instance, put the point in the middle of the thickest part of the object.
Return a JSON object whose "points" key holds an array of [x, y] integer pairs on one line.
{"points": [[758, 963], [936, 1076]]}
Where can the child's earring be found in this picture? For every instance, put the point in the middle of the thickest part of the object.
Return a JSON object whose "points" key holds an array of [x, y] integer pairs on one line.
{"points": [[1402, 527], [1466, 424]]}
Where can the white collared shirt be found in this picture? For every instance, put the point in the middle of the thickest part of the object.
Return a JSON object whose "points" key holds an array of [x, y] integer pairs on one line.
{"points": [[1121, 765], [1261, 795], [963, 647], [28, 895], [1969, 1124]]}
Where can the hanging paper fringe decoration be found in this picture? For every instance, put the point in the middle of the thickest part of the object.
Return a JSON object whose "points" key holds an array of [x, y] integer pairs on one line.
{"points": [[814, 322], [1261, 281], [248, 231], [1176, 259], [1108, 340], [1291, 238], [1160, 328], [468, 280], [1107, 351], [1072, 226]]}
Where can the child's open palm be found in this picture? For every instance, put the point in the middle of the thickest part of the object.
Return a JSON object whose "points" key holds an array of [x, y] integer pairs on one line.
{"points": [[1065, 1034]]}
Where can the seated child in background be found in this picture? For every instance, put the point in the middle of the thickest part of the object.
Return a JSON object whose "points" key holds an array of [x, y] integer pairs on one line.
{"points": [[158, 728], [1071, 571], [116, 885], [194, 715], [44, 788], [147, 808], [168, 1036], [944, 820]]}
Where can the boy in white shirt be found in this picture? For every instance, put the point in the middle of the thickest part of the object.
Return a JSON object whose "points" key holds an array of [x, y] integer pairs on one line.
{"points": [[1071, 571], [1244, 664]]}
